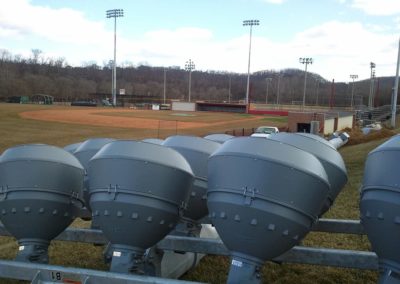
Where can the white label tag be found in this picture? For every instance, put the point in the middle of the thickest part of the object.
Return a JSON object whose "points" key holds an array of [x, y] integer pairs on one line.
{"points": [[117, 253], [21, 248], [237, 263]]}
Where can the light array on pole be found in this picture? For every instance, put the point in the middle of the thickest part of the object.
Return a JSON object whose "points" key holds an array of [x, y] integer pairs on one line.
{"points": [[189, 65], [251, 23], [306, 61], [115, 13]]}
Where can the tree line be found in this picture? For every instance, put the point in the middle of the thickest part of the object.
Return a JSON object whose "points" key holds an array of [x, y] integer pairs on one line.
{"points": [[37, 74]]}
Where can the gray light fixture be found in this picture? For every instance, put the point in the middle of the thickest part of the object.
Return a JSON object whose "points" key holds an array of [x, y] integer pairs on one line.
{"points": [[153, 140], [72, 147], [380, 207], [40, 196], [258, 211], [84, 152], [196, 151], [219, 137], [329, 157], [137, 192]]}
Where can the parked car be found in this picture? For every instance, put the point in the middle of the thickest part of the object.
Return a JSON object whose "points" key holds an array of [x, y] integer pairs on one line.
{"points": [[265, 131]]}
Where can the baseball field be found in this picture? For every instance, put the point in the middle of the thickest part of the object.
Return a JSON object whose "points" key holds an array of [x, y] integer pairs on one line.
{"points": [[63, 125]]}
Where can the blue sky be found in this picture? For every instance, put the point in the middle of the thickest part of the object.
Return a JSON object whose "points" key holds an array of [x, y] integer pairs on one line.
{"points": [[342, 36]]}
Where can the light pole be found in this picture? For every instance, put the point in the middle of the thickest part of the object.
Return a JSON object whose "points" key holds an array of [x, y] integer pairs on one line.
{"points": [[306, 61], [395, 90], [250, 23], [165, 84], [316, 100], [229, 88], [352, 90], [371, 86], [114, 13], [278, 88], [189, 66], [266, 95]]}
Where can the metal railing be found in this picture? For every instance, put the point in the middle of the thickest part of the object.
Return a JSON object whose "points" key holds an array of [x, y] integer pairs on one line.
{"points": [[298, 254]]}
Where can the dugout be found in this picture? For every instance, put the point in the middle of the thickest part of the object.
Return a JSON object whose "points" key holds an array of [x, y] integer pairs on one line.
{"points": [[42, 99], [220, 107]]}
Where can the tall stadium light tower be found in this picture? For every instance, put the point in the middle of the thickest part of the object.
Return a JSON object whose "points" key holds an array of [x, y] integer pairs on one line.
{"points": [[371, 86], [352, 90], [266, 95], [250, 23], [306, 61], [165, 85], [189, 66], [395, 90], [114, 13]]}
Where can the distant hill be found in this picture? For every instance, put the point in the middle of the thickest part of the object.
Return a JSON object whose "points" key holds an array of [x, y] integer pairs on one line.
{"points": [[28, 76]]}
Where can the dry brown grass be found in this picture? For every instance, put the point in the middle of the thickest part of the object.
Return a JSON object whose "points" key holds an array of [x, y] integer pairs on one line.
{"points": [[357, 136], [212, 269]]}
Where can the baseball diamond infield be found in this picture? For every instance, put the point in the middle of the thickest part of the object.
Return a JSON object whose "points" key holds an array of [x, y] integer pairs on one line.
{"points": [[127, 118]]}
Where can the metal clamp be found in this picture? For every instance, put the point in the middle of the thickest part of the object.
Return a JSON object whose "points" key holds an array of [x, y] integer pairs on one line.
{"points": [[249, 195], [112, 193], [3, 192]]}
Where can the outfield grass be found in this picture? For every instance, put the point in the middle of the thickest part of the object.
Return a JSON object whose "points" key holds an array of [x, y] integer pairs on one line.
{"points": [[213, 269]]}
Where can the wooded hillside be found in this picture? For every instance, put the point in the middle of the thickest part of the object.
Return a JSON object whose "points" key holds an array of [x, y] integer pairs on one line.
{"points": [[37, 74]]}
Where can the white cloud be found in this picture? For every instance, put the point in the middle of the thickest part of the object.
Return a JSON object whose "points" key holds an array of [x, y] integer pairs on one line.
{"points": [[378, 7], [274, 1], [58, 25], [338, 48]]}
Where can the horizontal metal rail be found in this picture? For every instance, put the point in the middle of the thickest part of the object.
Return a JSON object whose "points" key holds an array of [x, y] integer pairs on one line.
{"points": [[42, 273], [298, 254], [341, 226], [96, 236]]}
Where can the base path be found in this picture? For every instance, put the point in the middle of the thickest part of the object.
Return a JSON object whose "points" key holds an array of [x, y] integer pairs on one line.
{"points": [[95, 117]]}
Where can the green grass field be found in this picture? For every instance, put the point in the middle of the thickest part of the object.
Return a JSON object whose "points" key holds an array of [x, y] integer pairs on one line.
{"points": [[212, 269]]}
